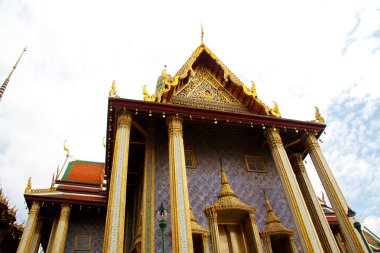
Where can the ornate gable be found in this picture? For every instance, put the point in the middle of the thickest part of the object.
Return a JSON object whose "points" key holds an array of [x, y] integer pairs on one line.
{"points": [[205, 82]]}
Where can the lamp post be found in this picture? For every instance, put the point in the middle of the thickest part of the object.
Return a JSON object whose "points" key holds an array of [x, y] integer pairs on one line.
{"points": [[357, 225], [162, 216]]}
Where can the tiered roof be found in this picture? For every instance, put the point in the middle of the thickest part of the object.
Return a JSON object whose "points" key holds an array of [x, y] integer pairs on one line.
{"points": [[81, 183]]}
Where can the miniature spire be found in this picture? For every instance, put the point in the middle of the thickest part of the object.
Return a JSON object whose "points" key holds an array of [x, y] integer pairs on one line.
{"points": [[4, 86], [65, 148], [202, 34], [271, 215], [318, 116], [225, 189]]}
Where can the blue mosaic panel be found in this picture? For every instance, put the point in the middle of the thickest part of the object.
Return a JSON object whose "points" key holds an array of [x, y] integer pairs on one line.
{"points": [[86, 223], [204, 181], [162, 188], [209, 145]]}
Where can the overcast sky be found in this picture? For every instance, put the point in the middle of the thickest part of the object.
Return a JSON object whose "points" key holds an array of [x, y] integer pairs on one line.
{"points": [[299, 53]]}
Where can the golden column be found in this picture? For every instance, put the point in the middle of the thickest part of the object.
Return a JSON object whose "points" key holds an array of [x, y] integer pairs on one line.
{"points": [[35, 243], [114, 230], [205, 243], [335, 195], [321, 225], [180, 215], [213, 221], [267, 244], [62, 227], [148, 211], [30, 227], [308, 236], [52, 235]]}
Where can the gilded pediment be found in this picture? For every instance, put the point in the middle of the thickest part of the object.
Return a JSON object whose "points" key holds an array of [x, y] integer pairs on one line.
{"points": [[203, 90], [204, 86]]}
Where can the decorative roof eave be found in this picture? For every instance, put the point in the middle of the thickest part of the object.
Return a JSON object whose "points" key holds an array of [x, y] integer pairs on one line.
{"points": [[249, 96], [232, 116], [66, 199], [195, 227]]}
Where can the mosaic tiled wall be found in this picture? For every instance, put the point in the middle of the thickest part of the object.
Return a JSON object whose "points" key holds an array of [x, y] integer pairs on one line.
{"points": [[86, 223], [162, 186], [209, 145]]}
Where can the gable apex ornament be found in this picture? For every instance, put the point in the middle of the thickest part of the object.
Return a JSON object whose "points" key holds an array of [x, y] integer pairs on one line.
{"points": [[112, 92]]}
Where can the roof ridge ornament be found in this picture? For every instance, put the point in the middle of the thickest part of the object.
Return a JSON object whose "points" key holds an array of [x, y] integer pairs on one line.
{"points": [[148, 97], [112, 92], [318, 116], [66, 149]]}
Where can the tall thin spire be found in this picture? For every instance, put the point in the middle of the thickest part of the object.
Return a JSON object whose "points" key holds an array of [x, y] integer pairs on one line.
{"points": [[202, 34], [4, 86]]}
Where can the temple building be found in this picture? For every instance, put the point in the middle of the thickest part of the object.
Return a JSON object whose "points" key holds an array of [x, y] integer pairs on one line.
{"points": [[201, 165], [10, 230]]}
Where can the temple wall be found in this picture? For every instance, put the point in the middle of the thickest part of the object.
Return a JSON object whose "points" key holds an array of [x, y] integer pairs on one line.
{"points": [[86, 223], [209, 144]]}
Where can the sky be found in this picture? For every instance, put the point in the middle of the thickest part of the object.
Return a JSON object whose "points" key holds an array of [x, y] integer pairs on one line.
{"points": [[300, 54]]}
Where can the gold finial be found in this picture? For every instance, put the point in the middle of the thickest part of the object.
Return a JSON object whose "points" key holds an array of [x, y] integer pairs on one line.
{"points": [[202, 34], [104, 142], [65, 148], [112, 92], [253, 90], [29, 185], [318, 116]]}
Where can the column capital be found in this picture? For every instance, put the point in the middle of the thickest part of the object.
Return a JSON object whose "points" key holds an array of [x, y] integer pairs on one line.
{"points": [[273, 137], [36, 206], [212, 216], [124, 119], [297, 161], [310, 140], [174, 123]]}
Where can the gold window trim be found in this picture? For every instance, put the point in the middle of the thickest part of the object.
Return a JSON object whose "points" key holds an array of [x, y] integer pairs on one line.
{"points": [[255, 158], [191, 153], [83, 236]]}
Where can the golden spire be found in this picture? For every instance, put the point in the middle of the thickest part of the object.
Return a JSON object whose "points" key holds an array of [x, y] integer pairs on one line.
{"points": [[29, 185], [202, 34], [225, 189], [4, 86], [318, 116], [271, 215], [112, 92], [65, 148]]}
